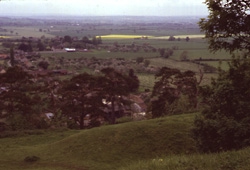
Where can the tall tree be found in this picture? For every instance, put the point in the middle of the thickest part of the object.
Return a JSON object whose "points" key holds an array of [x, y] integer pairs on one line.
{"points": [[81, 97], [94, 41], [133, 81], [162, 51], [12, 57], [224, 124], [171, 85], [40, 46], [18, 103], [67, 39], [228, 25], [114, 88]]}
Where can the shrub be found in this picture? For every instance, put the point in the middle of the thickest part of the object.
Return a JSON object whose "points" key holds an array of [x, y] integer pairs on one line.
{"points": [[31, 159], [139, 60], [224, 124], [124, 119]]}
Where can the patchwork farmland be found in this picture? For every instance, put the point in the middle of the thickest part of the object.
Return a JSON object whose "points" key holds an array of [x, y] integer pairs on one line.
{"points": [[136, 48]]}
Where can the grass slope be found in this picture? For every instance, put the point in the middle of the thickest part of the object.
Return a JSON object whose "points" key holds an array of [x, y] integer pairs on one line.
{"points": [[235, 160], [107, 147], [162, 144]]}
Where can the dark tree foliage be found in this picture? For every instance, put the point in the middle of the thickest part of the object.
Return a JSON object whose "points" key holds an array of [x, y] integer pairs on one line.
{"points": [[162, 51], [96, 40], [12, 57], [225, 123], [171, 38], [7, 44], [18, 100], [67, 39], [228, 25], [133, 81], [86, 40], [139, 60], [81, 97], [114, 87], [25, 47], [43, 64], [96, 96], [171, 85], [40, 46]]}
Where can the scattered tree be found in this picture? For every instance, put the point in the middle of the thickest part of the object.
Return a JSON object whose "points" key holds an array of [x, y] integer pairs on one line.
{"points": [[43, 64], [67, 39], [133, 81], [146, 63], [162, 51], [139, 60], [86, 40], [172, 84], [40, 46], [184, 56], [171, 38], [12, 57]]}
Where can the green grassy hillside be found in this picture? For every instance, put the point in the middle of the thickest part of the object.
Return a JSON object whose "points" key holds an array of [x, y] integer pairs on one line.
{"points": [[235, 160], [159, 144], [107, 147]]}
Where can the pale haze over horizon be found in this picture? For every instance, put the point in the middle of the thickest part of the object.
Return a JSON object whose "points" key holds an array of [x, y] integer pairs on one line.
{"points": [[103, 7]]}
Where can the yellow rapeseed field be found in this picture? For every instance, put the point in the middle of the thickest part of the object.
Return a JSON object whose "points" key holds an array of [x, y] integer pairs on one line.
{"points": [[122, 36], [4, 37]]}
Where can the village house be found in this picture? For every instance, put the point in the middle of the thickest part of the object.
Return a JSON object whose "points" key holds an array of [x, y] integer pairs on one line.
{"points": [[70, 49]]}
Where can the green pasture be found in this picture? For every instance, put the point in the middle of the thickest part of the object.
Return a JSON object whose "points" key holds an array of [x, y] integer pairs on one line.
{"points": [[222, 64], [102, 30], [100, 54], [147, 81], [196, 48], [106, 147], [183, 66], [237, 160], [26, 32], [162, 144]]}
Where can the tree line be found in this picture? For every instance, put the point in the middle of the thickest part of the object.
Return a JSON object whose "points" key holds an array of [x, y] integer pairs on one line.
{"points": [[24, 97], [223, 124], [44, 44]]}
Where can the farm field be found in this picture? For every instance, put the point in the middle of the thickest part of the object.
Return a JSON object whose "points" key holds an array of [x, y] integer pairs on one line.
{"points": [[148, 144], [196, 48], [4, 37], [19, 32]]}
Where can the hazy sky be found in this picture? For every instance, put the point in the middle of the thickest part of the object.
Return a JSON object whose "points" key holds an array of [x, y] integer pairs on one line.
{"points": [[103, 7]]}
